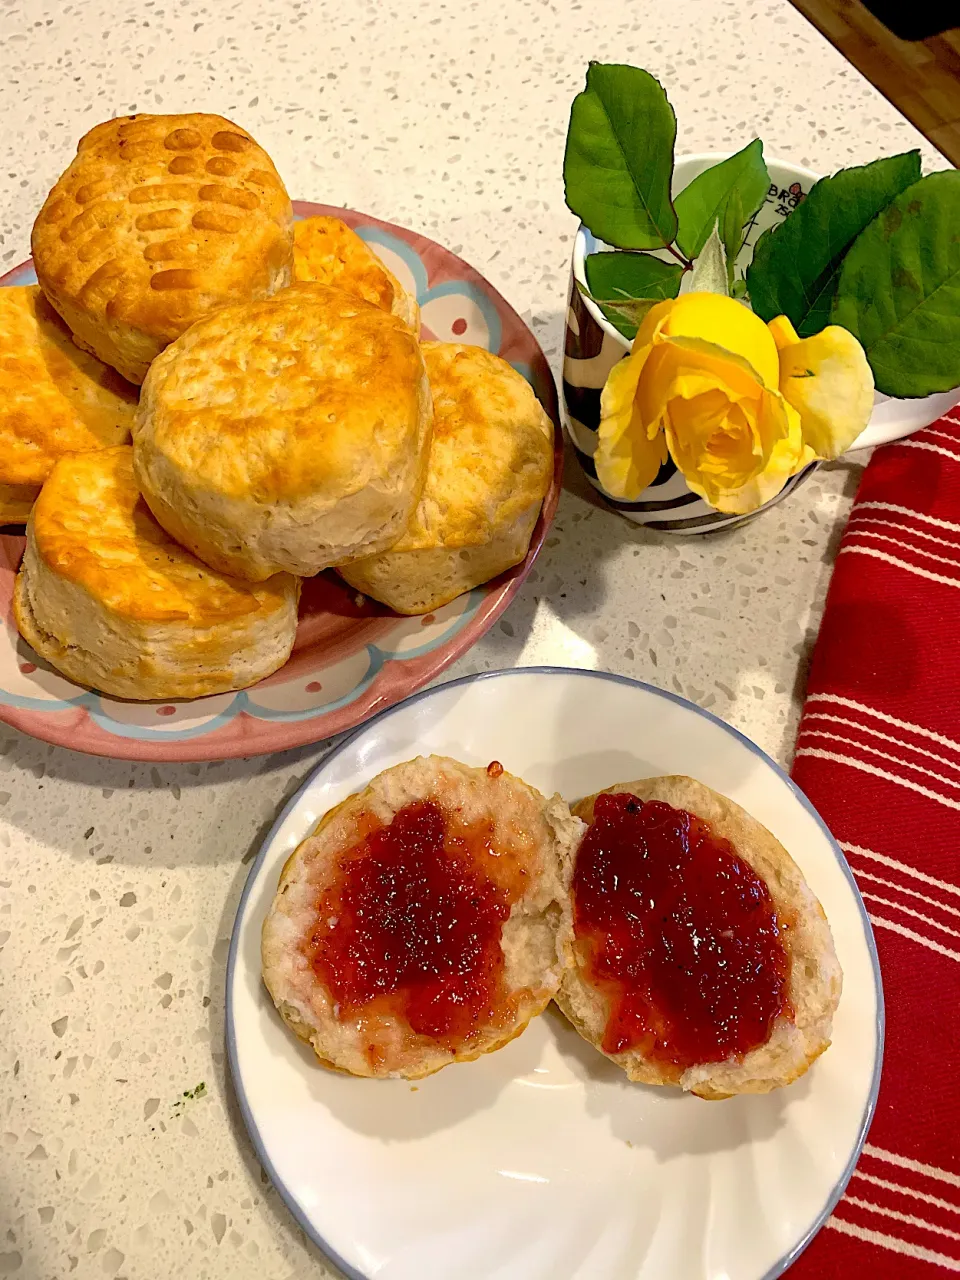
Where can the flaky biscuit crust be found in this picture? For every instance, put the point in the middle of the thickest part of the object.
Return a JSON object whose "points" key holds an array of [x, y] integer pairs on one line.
{"points": [[16, 502], [159, 220], [489, 468], [327, 251], [288, 434], [54, 398], [111, 601]]}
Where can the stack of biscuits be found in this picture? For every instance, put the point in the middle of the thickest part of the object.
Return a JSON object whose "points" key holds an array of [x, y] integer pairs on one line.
{"points": [[205, 402]]}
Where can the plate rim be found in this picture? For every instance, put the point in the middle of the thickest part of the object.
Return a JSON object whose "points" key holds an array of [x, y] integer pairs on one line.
{"points": [[253, 1132], [58, 725]]}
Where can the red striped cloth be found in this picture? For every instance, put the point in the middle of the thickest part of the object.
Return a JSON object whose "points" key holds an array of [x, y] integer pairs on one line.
{"points": [[878, 752]]}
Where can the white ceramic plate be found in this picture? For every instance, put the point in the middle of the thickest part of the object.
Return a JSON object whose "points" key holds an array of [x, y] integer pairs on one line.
{"points": [[541, 1162]]}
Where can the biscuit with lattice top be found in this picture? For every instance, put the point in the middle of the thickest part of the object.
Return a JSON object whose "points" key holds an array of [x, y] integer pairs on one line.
{"points": [[158, 221]]}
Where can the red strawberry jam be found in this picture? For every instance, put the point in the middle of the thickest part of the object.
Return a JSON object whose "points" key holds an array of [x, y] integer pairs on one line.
{"points": [[680, 935], [411, 926]]}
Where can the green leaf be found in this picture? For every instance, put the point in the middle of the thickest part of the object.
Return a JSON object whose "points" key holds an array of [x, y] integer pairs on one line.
{"points": [[899, 290], [628, 315], [796, 266], [710, 270], [632, 275], [705, 201], [619, 158], [626, 285]]}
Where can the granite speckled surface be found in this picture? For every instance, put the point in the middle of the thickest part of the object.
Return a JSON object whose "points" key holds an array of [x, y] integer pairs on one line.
{"points": [[119, 882]]}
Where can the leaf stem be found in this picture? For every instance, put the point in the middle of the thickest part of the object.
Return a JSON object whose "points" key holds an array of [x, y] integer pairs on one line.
{"points": [[684, 262]]}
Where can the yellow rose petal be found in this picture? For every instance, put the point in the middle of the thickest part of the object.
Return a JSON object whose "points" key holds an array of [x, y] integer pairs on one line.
{"points": [[728, 324], [779, 425], [626, 459], [618, 397], [828, 381], [725, 367], [653, 322], [783, 332], [685, 391], [709, 402], [717, 457], [625, 467]]}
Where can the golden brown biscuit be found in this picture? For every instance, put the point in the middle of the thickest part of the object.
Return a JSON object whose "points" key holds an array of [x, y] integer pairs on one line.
{"points": [[54, 399], [285, 434], [490, 465], [326, 251], [158, 221], [108, 599], [797, 1035], [16, 502], [420, 923]]}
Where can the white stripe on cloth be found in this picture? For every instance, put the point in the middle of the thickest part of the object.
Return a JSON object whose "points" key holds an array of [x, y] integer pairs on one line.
{"points": [[893, 1243], [941, 435], [862, 765], [900, 564], [900, 866], [933, 448], [915, 937], [887, 523], [902, 1189], [908, 1218], [902, 888], [910, 911], [907, 546], [887, 719], [884, 755], [915, 1166], [877, 733], [907, 511]]}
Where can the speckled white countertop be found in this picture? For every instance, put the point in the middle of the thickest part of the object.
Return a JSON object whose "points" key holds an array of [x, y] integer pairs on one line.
{"points": [[119, 882]]}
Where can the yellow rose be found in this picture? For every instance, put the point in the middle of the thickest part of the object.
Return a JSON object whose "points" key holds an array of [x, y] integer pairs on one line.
{"points": [[740, 405]]}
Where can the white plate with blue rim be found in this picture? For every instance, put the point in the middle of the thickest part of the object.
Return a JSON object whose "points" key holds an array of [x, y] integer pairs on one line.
{"points": [[541, 1161]]}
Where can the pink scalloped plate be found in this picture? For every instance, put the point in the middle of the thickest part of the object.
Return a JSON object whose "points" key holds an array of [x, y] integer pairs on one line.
{"points": [[352, 657]]}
